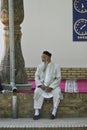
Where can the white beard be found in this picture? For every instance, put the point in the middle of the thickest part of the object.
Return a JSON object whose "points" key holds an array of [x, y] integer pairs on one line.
{"points": [[45, 66]]}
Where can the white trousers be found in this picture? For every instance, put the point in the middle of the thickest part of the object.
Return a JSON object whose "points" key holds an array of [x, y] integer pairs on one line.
{"points": [[38, 103]]}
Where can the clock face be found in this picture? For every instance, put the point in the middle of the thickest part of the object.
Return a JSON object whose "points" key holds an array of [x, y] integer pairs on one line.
{"points": [[80, 6], [80, 27]]}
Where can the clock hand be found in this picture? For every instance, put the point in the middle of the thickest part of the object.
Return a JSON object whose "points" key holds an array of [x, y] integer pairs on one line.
{"points": [[83, 26]]}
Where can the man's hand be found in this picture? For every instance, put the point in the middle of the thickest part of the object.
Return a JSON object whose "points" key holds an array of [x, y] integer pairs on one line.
{"points": [[43, 87], [48, 89]]}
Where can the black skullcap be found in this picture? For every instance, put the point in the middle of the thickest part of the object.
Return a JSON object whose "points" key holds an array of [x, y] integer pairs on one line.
{"points": [[47, 53]]}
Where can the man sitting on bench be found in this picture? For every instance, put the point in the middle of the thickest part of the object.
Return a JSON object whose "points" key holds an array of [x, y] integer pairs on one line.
{"points": [[47, 79]]}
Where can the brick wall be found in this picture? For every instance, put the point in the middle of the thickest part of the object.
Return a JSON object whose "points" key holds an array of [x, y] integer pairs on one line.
{"points": [[67, 73], [73, 105]]}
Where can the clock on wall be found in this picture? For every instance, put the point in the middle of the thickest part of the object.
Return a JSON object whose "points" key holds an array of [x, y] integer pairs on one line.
{"points": [[79, 20], [80, 27], [80, 6]]}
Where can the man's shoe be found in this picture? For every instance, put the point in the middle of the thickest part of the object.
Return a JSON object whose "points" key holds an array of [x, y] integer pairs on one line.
{"points": [[36, 117], [52, 117]]}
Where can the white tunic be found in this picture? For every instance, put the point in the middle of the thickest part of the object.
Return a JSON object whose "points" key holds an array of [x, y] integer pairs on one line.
{"points": [[50, 78]]}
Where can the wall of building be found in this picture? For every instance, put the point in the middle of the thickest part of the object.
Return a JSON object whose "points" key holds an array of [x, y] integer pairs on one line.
{"points": [[73, 105], [48, 26]]}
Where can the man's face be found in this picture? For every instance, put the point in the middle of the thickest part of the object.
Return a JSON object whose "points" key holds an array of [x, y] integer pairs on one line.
{"points": [[44, 58]]}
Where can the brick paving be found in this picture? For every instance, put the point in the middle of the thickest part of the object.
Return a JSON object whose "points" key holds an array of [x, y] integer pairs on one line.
{"points": [[43, 123]]}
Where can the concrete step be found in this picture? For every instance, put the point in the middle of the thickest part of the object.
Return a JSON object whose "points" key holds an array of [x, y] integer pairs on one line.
{"points": [[43, 124]]}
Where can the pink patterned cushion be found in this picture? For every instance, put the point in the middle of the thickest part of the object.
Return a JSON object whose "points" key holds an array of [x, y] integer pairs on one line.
{"points": [[82, 85]]}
